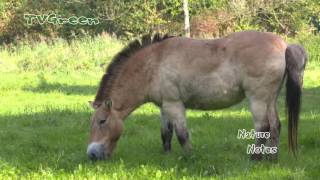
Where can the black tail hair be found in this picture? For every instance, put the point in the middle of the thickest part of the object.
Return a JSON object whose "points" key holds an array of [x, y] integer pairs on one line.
{"points": [[293, 92]]}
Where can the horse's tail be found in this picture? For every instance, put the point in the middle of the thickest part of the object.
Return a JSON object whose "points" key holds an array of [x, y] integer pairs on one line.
{"points": [[293, 93]]}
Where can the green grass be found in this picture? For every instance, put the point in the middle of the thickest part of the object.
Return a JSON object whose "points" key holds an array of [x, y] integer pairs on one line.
{"points": [[87, 54], [44, 126]]}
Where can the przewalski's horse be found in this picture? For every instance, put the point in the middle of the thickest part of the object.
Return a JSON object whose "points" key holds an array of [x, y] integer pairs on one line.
{"points": [[176, 73]]}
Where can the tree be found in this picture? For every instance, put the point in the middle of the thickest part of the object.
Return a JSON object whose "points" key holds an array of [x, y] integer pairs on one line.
{"points": [[186, 18]]}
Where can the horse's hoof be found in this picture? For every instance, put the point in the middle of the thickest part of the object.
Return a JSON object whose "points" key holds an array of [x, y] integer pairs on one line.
{"points": [[256, 157], [167, 148], [272, 157], [187, 148]]}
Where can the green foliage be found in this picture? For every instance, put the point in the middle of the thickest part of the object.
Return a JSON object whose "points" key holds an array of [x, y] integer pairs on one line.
{"points": [[287, 18], [282, 17], [127, 19]]}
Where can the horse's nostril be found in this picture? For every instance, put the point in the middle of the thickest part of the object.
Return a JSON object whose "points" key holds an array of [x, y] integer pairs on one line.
{"points": [[96, 151], [92, 156]]}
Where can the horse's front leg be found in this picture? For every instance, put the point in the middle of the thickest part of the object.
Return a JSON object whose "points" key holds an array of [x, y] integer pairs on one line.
{"points": [[175, 112], [166, 131]]}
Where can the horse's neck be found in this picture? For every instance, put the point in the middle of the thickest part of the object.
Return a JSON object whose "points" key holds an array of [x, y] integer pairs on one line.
{"points": [[131, 87]]}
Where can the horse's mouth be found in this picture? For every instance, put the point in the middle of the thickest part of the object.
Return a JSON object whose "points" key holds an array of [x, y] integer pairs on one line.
{"points": [[97, 151]]}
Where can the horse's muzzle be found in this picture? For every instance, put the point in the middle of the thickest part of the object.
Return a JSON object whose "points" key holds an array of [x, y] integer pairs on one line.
{"points": [[96, 151]]}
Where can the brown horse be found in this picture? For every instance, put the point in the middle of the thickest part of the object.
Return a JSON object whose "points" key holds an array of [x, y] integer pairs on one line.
{"points": [[176, 73]]}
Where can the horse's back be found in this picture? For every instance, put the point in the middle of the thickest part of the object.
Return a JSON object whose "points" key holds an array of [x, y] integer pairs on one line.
{"points": [[214, 74]]}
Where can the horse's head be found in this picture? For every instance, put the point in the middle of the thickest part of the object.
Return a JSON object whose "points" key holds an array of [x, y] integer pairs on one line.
{"points": [[106, 129]]}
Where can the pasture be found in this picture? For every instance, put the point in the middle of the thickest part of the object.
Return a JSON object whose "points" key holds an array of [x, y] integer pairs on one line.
{"points": [[44, 124]]}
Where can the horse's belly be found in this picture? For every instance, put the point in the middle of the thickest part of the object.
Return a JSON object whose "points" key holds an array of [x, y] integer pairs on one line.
{"points": [[211, 102], [204, 90], [212, 94]]}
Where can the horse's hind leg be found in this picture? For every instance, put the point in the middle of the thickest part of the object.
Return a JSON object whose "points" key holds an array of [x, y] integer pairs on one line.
{"points": [[166, 131], [175, 112], [261, 124], [275, 126]]}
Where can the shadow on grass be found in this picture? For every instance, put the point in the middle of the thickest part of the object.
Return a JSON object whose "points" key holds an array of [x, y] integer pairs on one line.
{"points": [[45, 87], [63, 88]]}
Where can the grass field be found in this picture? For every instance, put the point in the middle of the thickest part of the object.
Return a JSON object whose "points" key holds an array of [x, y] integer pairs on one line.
{"points": [[44, 125]]}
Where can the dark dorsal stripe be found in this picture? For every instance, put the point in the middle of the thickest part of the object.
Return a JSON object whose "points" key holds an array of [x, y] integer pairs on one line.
{"points": [[119, 60]]}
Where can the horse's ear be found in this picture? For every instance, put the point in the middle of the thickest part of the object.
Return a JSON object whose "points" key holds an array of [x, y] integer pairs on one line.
{"points": [[93, 104], [108, 104]]}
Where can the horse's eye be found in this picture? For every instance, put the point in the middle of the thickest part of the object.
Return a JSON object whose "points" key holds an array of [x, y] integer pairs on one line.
{"points": [[102, 121]]}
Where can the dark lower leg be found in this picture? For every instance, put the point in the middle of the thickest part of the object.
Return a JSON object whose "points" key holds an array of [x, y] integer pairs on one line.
{"points": [[183, 137], [166, 136], [260, 141], [274, 136]]}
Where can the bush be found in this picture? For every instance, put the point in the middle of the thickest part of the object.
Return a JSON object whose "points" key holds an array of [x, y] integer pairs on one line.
{"points": [[288, 18], [127, 19]]}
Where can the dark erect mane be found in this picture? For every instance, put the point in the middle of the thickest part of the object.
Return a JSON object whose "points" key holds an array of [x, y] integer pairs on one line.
{"points": [[120, 59]]}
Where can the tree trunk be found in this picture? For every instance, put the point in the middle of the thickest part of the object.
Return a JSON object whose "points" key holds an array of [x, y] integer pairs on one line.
{"points": [[186, 18]]}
